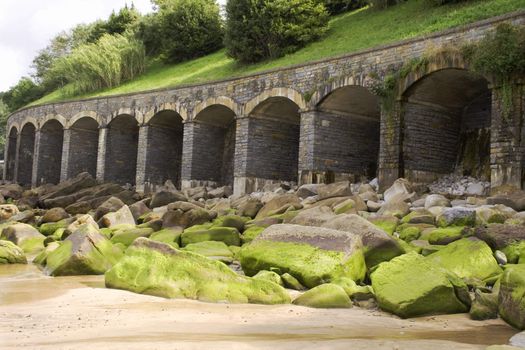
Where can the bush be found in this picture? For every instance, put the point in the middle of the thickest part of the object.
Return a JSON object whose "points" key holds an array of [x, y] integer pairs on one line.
{"points": [[186, 29], [106, 63], [259, 29], [22, 93], [335, 7]]}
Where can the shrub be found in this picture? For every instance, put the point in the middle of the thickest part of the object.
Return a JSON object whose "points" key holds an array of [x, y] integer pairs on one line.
{"points": [[22, 93], [259, 29], [106, 63]]}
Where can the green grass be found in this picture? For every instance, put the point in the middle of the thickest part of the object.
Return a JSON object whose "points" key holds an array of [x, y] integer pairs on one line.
{"points": [[350, 32]]}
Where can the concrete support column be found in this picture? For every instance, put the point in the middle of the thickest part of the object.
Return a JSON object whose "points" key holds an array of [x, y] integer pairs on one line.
{"points": [[36, 159], [142, 154], [307, 173], [507, 142], [241, 182], [391, 145], [101, 153], [187, 155], [64, 166]]}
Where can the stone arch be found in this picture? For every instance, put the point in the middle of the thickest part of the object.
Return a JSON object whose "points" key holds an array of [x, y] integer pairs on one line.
{"points": [[26, 153], [10, 157], [83, 145], [220, 100], [86, 114], [30, 120], [175, 107], [50, 151], [212, 134], [446, 123], [164, 147], [134, 113], [288, 93], [327, 89], [121, 149], [60, 119]]}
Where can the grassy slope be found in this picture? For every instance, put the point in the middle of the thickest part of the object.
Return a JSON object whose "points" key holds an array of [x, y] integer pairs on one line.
{"points": [[349, 32]]}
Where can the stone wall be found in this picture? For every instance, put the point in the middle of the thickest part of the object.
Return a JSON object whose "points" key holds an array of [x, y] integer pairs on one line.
{"points": [[49, 153], [121, 151]]}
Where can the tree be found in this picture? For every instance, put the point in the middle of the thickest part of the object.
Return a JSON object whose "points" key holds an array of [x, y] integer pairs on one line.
{"points": [[119, 23], [187, 29], [24, 92], [261, 29]]}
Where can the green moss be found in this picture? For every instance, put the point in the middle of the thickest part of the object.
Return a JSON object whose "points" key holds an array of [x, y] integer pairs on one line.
{"points": [[167, 235], [156, 269], [346, 206], [228, 235], [127, 236], [106, 232], [235, 221], [515, 252], [269, 276], [444, 235], [49, 228], [512, 296], [290, 281], [484, 306], [354, 291], [251, 233], [310, 265], [325, 296], [10, 253], [388, 225], [32, 245], [211, 249], [409, 233]]}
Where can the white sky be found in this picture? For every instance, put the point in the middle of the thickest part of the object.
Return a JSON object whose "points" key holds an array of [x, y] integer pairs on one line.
{"points": [[26, 26]]}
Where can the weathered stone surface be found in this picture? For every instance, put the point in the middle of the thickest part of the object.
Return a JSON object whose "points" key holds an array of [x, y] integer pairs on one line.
{"points": [[316, 216], [378, 245], [269, 276], [410, 286], [156, 268], [337, 189], [179, 218], [484, 306], [7, 211], [326, 296], [499, 236], [313, 255], [126, 236], [515, 200], [279, 205], [138, 209], [25, 236], [436, 200], [121, 216], [162, 198], [79, 182], [395, 208], [247, 206], [307, 190], [512, 296], [55, 215], [214, 250], [399, 191], [457, 216], [112, 204], [11, 253], [228, 235], [13, 191], [420, 216]]}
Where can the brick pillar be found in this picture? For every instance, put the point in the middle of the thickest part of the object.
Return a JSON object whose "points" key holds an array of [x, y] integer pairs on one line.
{"points": [[17, 156], [390, 165], [36, 159], [241, 183], [187, 155], [142, 154], [6, 154], [101, 153], [307, 172], [64, 167], [507, 144]]}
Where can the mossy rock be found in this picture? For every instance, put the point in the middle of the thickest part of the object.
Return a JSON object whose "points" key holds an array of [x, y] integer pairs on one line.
{"points": [[443, 235], [484, 306], [212, 250], [251, 233], [312, 266], [456, 216], [25, 236], [50, 228], [167, 235], [84, 252], [269, 276], [127, 236], [387, 224], [409, 286], [235, 221], [515, 252], [348, 206], [512, 296], [228, 235], [355, 291], [325, 296], [470, 259], [291, 282], [199, 227], [155, 268], [10, 253], [409, 233], [418, 217], [41, 258]]}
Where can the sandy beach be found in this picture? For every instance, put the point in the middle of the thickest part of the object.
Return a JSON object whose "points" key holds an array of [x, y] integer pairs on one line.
{"points": [[40, 312]]}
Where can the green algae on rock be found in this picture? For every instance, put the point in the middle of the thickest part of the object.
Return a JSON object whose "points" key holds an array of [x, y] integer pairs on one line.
{"points": [[512, 296], [515, 252], [313, 255], [324, 296], [25, 236], [251, 233], [269, 276], [443, 235], [228, 235], [10, 253], [409, 286], [127, 236], [211, 249], [156, 268]]}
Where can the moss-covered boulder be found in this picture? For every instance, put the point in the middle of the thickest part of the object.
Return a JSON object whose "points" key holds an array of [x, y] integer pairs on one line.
{"points": [[499, 236], [484, 306], [470, 259], [512, 296], [269, 276], [325, 296], [313, 255], [420, 216], [10, 253], [167, 235], [378, 245], [230, 221], [409, 233], [443, 235], [409, 286], [49, 228], [156, 268], [84, 252], [385, 223], [41, 258], [279, 205], [457, 216], [127, 236], [515, 252], [212, 250], [228, 235], [25, 236], [251, 233], [291, 282], [353, 290]]}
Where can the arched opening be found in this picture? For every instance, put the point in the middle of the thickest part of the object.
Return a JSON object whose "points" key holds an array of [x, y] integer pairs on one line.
{"points": [[214, 145], [10, 157], [273, 140], [50, 152], [163, 161], [26, 153], [83, 147], [347, 134], [447, 118], [121, 150]]}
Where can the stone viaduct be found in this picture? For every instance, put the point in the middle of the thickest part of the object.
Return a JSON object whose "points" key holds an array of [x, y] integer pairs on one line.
{"points": [[311, 123]]}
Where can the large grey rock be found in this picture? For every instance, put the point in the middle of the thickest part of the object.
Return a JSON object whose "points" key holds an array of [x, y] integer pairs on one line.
{"points": [[79, 182], [139, 208], [337, 189], [498, 236], [25, 236], [120, 217], [400, 190], [307, 190], [279, 204], [378, 245], [13, 191], [457, 216], [247, 206], [397, 208], [436, 200], [163, 198], [514, 199], [110, 205], [55, 215], [183, 219], [315, 216], [518, 340]]}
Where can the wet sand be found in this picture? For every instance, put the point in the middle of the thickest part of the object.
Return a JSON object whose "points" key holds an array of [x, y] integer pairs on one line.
{"points": [[40, 312]]}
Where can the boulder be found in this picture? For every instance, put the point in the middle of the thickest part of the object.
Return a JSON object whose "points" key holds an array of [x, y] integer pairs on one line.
{"points": [[325, 296], [397, 208], [55, 215], [138, 209], [457, 216], [410, 286], [25, 236], [518, 340], [443, 235], [11, 253], [155, 268], [183, 219], [499, 236], [313, 255], [184, 206], [337, 189], [436, 200], [167, 235], [385, 223], [248, 206], [111, 205], [211, 249], [354, 291], [26, 216], [378, 245], [13, 191], [484, 306], [7, 211], [307, 190], [84, 252], [291, 282], [346, 207], [251, 233], [470, 259], [120, 217], [512, 296], [164, 197], [50, 228], [81, 220], [269, 276], [515, 252], [80, 207], [315, 216], [419, 216], [220, 192], [228, 235], [126, 236], [79, 182], [489, 215], [400, 190], [230, 221], [514, 199], [279, 205]]}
